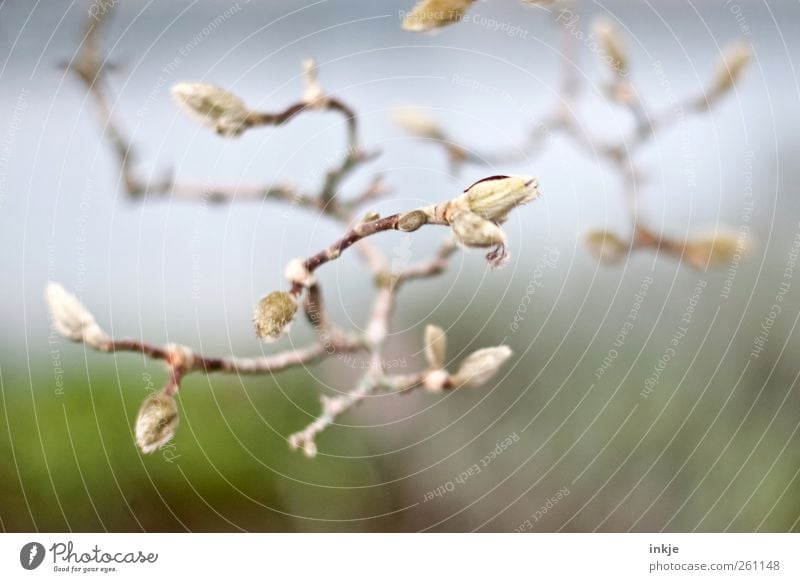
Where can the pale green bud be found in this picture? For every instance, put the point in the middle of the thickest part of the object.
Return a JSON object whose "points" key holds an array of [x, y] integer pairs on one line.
{"points": [[212, 107], [72, 320], [274, 314], [479, 367]]}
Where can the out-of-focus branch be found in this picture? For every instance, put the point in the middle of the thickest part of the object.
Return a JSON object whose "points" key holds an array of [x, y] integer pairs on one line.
{"points": [[620, 155]]}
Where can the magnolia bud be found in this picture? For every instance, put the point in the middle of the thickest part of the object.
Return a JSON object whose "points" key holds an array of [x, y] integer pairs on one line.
{"points": [[417, 122], [435, 346], [72, 320], [274, 314], [494, 197], [212, 107], [313, 93], [411, 221], [606, 246], [730, 68], [431, 14], [471, 230], [713, 249], [296, 272], [156, 423], [611, 42], [480, 366]]}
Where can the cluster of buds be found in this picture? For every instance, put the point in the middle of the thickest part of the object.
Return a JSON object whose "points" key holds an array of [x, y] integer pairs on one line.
{"points": [[72, 320], [475, 216], [476, 369], [701, 251], [213, 107]]}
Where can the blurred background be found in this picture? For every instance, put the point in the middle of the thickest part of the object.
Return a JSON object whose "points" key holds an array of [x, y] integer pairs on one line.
{"points": [[681, 426]]}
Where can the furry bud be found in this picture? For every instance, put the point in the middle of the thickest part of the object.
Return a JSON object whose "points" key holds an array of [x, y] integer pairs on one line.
{"points": [[471, 230], [212, 107], [432, 14], [313, 93], [411, 221], [417, 122], [157, 422], [494, 197], [480, 366], [72, 320], [274, 314]]}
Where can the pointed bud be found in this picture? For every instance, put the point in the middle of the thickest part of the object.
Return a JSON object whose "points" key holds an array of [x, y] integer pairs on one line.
{"points": [[435, 346], [411, 221], [616, 55], [274, 314], [417, 122], [494, 197], [157, 422], [432, 14], [72, 320], [296, 272], [714, 249], [480, 366], [471, 230], [605, 246], [212, 107], [313, 93], [730, 68]]}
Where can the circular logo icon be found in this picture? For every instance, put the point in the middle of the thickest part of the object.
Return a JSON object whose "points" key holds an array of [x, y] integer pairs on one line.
{"points": [[31, 555]]}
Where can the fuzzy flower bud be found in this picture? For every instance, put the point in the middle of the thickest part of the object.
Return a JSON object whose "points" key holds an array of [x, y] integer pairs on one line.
{"points": [[313, 93], [494, 197], [616, 55], [156, 423], [417, 122], [713, 249], [480, 366], [730, 68], [296, 272], [72, 320], [471, 230], [274, 314], [212, 107], [606, 246], [432, 14], [435, 346]]}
